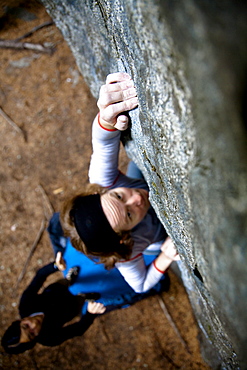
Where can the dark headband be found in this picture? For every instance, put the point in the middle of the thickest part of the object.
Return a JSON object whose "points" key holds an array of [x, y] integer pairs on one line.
{"points": [[93, 226]]}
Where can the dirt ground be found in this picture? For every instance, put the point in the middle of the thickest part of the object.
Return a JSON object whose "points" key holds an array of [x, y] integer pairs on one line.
{"points": [[45, 96]]}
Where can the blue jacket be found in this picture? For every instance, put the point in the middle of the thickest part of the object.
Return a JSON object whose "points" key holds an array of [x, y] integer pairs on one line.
{"points": [[93, 277]]}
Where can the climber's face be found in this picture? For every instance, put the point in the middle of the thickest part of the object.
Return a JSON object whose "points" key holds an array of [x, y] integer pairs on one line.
{"points": [[125, 207]]}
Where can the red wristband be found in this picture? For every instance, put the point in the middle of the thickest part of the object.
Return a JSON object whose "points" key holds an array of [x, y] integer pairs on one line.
{"points": [[162, 272], [107, 129]]}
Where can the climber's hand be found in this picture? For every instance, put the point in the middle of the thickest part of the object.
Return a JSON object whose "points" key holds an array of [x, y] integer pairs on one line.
{"points": [[169, 249], [116, 97]]}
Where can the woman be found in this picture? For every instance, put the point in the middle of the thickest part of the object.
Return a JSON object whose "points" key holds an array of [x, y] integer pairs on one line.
{"points": [[113, 220]]}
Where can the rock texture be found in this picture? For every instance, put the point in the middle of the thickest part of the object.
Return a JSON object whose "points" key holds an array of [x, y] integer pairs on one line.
{"points": [[188, 135]]}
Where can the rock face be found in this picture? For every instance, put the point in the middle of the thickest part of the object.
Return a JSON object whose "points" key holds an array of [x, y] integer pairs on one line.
{"points": [[188, 61]]}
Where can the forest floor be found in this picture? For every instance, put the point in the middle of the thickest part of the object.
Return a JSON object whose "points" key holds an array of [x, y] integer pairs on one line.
{"points": [[49, 150]]}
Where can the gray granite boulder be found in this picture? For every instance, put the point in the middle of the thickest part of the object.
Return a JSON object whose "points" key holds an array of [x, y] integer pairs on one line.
{"points": [[188, 135]]}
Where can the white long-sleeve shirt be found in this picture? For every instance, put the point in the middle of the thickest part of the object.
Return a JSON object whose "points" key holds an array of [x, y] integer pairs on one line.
{"points": [[149, 234]]}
